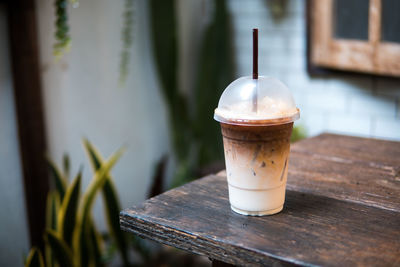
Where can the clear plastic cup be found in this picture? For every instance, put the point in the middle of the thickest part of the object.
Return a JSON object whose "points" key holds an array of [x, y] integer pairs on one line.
{"points": [[256, 117]]}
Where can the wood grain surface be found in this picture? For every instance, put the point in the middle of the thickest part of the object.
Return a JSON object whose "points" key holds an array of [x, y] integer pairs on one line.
{"points": [[336, 212], [361, 170]]}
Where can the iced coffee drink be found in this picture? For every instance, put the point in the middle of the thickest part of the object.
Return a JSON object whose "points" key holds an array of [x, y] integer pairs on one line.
{"points": [[256, 117]]}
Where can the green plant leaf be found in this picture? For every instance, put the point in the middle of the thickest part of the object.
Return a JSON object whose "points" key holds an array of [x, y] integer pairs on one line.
{"points": [[165, 47], [111, 203], [68, 211], [52, 207], [97, 182], [158, 178], [62, 253], [109, 253], [90, 245], [96, 244], [81, 237], [81, 244], [49, 257], [216, 70], [62, 37], [127, 37], [298, 133], [93, 154], [35, 258], [112, 209], [163, 22], [58, 178], [66, 166], [182, 174]]}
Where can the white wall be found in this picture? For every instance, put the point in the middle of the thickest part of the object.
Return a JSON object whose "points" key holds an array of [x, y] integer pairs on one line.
{"points": [[14, 240], [355, 105], [82, 97]]}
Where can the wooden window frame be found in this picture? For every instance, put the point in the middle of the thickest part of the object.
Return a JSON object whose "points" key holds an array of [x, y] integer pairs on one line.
{"points": [[372, 56]]}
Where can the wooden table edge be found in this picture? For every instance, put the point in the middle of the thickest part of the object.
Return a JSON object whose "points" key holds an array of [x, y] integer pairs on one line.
{"points": [[164, 234]]}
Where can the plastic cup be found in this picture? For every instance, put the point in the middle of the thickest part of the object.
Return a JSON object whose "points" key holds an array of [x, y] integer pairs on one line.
{"points": [[256, 118]]}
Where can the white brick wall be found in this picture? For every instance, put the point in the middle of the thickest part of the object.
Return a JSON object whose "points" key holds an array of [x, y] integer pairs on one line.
{"points": [[349, 104]]}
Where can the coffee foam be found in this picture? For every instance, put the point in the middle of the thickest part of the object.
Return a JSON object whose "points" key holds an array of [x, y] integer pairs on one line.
{"points": [[267, 108]]}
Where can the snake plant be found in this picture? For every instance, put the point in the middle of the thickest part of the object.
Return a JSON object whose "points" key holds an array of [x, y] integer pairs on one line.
{"points": [[71, 237], [195, 135]]}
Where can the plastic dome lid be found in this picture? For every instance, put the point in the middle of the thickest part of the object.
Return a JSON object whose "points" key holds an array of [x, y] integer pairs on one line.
{"points": [[262, 101]]}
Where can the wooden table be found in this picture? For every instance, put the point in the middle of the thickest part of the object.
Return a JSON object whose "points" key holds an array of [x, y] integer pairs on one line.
{"points": [[342, 209]]}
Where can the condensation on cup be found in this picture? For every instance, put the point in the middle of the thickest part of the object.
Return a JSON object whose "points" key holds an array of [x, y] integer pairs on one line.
{"points": [[256, 118]]}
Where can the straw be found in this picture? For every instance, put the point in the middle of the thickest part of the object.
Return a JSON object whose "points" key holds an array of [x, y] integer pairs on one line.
{"points": [[255, 67]]}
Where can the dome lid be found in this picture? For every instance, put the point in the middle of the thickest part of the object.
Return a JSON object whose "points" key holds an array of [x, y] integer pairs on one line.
{"points": [[262, 101]]}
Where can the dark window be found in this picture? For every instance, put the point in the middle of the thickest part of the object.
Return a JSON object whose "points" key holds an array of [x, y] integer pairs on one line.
{"points": [[351, 19], [391, 21]]}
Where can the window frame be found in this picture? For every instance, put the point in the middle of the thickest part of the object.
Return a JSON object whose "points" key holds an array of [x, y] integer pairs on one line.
{"points": [[372, 56]]}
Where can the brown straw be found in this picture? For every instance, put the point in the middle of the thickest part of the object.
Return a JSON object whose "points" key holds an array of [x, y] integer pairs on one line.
{"points": [[255, 53], [255, 67]]}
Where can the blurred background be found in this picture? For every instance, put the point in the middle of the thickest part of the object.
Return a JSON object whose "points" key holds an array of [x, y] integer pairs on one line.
{"points": [[147, 75]]}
